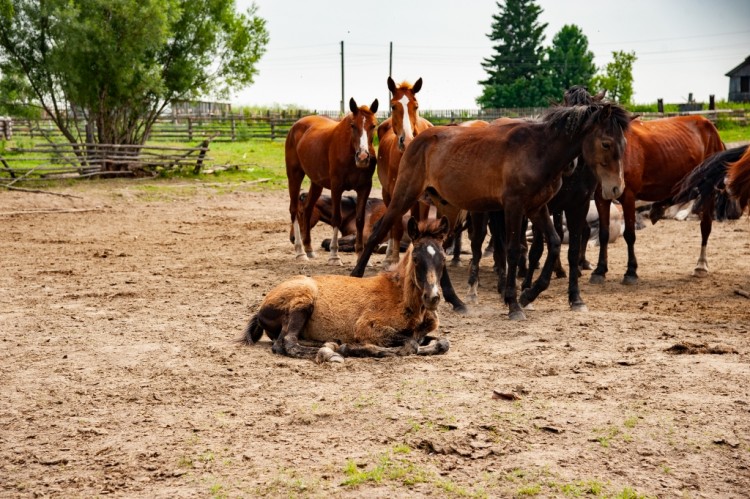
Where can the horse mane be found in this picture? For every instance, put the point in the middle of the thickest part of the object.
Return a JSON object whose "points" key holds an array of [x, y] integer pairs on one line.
{"points": [[578, 95], [405, 85], [431, 229], [738, 178], [574, 119]]}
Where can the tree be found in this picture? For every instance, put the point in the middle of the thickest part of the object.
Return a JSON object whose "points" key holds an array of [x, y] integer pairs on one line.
{"points": [[569, 60], [116, 64], [515, 72], [617, 78]]}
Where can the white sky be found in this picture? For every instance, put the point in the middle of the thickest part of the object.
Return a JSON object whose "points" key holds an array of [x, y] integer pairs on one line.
{"points": [[682, 46]]}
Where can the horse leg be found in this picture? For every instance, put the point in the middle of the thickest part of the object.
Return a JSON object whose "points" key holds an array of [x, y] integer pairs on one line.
{"points": [[333, 255], [477, 233], [294, 325], [602, 207], [542, 218], [496, 221], [576, 217], [307, 211], [363, 193], [523, 266], [295, 176], [557, 219], [450, 294], [628, 209], [513, 226], [535, 254], [585, 235], [701, 268]]}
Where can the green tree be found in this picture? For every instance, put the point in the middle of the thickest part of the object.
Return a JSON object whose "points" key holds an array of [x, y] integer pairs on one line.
{"points": [[569, 60], [617, 78], [116, 64], [515, 71]]}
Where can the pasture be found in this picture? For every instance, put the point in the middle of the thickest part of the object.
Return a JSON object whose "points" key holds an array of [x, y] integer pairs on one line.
{"points": [[118, 311]]}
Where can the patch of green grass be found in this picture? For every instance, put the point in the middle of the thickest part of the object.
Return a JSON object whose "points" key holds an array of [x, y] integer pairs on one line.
{"points": [[606, 435], [459, 491], [217, 491], [387, 468], [529, 490], [582, 487], [629, 493], [185, 462], [631, 422]]}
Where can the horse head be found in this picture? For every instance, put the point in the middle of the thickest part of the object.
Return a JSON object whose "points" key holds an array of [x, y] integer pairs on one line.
{"points": [[363, 123], [427, 258], [603, 149], [404, 107]]}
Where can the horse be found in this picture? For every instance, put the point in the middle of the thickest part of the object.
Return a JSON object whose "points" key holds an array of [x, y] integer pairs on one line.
{"points": [[323, 212], [723, 177], [394, 135], [516, 167], [338, 156], [390, 314], [659, 154]]}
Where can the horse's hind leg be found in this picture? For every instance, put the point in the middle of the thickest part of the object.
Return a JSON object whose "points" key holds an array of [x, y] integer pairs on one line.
{"points": [[576, 217], [557, 220], [477, 234], [628, 210], [603, 207], [701, 267], [541, 218], [294, 325], [307, 213], [295, 175]]}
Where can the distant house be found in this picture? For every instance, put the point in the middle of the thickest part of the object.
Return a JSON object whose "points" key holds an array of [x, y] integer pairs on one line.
{"points": [[739, 82]]}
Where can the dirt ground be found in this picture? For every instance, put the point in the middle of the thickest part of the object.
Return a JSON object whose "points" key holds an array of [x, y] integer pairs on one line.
{"points": [[120, 376]]}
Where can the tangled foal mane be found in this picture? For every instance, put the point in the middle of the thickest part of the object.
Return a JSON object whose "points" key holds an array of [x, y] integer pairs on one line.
{"points": [[572, 120]]}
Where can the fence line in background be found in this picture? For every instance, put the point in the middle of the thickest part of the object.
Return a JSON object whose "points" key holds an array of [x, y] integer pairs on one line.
{"points": [[239, 127]]}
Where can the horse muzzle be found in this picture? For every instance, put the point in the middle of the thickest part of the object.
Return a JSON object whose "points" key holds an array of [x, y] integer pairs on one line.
{"points": [[362, 159], [431, 297]]}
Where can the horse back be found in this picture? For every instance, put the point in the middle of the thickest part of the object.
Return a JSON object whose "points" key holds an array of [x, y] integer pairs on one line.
{"points": [[660, 153], [307, 146]]}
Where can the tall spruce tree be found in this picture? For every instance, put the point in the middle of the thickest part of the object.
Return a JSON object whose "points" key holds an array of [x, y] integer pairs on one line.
{"points": [[515, 72], [569, 60]]}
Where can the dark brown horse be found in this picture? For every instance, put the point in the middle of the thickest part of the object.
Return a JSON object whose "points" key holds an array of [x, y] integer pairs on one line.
{"points": [[659, 154], [394, 135], [335, 155], [722, 179], [386, 315], [515, 167]]}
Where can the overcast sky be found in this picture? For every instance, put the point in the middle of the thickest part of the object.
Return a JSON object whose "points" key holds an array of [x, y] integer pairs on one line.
{"points": [[682, 46]]}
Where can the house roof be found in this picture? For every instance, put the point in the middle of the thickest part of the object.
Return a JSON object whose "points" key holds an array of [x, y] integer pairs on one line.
{"points": [[746, 62]]}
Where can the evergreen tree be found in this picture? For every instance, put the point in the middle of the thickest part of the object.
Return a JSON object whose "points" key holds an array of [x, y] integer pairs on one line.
{"points": [[515, 72], [569, 60]]}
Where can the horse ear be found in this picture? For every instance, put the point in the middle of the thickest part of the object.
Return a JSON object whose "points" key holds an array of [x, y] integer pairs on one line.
{"points": [[598, 97], [445, 226], [374, 106], [353, 105], [412, 228], [417, 86], [391, 85], [634, 117]]}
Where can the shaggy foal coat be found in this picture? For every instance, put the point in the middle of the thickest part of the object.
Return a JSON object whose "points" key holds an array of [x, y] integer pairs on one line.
{"points": [[389, 314]]}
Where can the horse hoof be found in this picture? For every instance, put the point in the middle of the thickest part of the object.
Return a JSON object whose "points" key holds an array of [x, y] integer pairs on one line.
{"points": [[586, 265], [326, 354], [455, 263], [630, 280], [700, 272], [442, 346], [311, 254], [529, 306], [596, 279], [335, 261], [518, 315], [302, 257], [473, 299], [579, 307], [461, 309]]}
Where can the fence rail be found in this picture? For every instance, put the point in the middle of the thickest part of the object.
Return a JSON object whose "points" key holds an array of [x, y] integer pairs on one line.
{"points": [[238, 127]]}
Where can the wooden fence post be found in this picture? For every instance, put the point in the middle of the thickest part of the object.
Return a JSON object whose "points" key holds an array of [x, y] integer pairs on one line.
{"points": [[660, 105], [234, 135], [190, 128], [711, 103], [273, 129]]}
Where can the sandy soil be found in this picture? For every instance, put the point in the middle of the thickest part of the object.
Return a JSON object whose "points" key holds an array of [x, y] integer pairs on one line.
{"points": [[120, 377]]}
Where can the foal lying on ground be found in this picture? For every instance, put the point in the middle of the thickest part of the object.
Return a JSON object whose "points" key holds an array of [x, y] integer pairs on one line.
{"points": [[331, 317]]}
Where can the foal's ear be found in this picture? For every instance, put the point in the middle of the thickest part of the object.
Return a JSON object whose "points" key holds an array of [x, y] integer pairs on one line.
{"points": [[417, 86], [353, 105], [444, 227], [412, 228], [391, 85], [374, 106]]}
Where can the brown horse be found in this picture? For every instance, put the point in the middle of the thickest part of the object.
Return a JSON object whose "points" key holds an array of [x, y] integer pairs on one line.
{"points": [[738, 180], [389, 314], [335, 155], [515, 167], [394, 135], [659, 154]]}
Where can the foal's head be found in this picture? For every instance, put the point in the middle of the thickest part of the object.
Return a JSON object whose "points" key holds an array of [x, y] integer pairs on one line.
{"points": [[427, 258], [404, 108], [362, 122]]}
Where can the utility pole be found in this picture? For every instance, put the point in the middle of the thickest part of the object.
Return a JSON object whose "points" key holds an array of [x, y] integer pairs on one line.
{"points": [[342, 78], [390, 71]]}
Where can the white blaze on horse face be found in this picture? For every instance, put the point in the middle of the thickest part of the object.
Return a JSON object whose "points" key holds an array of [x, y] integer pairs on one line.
{"points": [[363, 149], [408, 134]]}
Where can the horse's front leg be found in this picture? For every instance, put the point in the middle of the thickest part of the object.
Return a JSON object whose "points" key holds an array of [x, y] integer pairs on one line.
{"points": [[541, 217], [333, 255], [701, 268], [363, 194], [576, 217], [477, 234], [603, 207], [535, 254], [557, 220], [628, 210], [513, 219], [307, 212]]}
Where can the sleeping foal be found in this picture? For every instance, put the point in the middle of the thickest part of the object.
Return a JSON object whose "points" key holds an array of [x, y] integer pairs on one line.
{"points": [[330, 317]]}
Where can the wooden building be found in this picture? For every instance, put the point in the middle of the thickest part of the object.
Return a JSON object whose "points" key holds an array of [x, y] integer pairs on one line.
{"points": [[739, 82]]}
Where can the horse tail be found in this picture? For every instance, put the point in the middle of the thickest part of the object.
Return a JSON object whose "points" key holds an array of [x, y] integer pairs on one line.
{"points": [[252, 333], [738, 179], [701, 184]]}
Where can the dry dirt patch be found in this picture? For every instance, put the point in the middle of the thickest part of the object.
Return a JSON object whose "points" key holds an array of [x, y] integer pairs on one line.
{"points": [[120, 376]]}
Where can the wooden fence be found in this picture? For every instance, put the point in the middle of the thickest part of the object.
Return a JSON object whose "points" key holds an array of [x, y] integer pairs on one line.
{"points": [[276, 126]]}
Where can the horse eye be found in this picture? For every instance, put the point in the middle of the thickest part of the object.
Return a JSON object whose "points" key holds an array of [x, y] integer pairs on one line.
{"points": [[605, 145]]}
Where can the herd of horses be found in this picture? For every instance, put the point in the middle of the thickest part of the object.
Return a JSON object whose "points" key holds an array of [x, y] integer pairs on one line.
{"points": [[502, 175]]}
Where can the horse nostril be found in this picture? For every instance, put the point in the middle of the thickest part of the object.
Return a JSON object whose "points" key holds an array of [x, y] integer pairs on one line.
{"points": [[616, 191]]}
